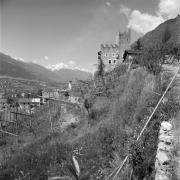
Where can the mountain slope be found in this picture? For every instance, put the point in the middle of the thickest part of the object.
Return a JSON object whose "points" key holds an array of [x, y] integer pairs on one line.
{"points": [[169, 31], [13, 68], [70, 74]]}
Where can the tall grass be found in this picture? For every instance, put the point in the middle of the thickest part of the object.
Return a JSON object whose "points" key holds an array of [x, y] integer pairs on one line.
{"points": [[105, 142]]}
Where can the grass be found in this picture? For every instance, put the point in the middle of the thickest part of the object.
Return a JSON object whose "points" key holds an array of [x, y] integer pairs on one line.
{"points": [[103, 138]]}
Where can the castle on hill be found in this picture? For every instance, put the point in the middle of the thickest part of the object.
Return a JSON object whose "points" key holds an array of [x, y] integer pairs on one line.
{"points": [[112, 54]]}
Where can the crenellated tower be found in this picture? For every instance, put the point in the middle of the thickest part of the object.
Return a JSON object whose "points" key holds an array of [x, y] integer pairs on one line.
{"points": [[124, 41], [112, 54]]}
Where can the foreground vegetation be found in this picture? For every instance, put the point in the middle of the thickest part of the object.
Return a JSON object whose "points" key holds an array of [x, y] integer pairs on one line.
{"points": [[116, 108]]}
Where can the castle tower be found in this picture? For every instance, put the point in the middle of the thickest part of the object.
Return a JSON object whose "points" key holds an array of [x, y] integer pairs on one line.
{"points": [[110, 55], [124, 41]]}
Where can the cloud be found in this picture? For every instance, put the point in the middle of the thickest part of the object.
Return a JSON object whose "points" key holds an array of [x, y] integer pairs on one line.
{"points": [[125, 10], [46, 57], [169, 8], [70, 65], [144, 22], [19, 59], [34, 61], [57, 66], [108, 4]]}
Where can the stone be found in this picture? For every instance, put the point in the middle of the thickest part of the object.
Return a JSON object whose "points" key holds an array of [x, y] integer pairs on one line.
{"points": [[165, 138], [166, 126], [161, 176], [162, 157], [163, 147]]}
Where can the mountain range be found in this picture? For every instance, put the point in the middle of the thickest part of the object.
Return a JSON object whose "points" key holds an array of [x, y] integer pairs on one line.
{"points": [[13, 68]]}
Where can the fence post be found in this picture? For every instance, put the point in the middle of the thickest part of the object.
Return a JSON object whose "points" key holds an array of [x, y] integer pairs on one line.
{"points": [[16, 116], [50, 118]]}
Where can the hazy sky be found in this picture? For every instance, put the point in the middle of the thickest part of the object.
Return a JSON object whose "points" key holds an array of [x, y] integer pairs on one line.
{"points": [[0, 25], [69, 32]]}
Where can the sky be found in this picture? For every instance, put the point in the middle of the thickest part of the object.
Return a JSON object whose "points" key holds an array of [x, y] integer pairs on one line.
{"points": [[0, 25], [68, 33]]}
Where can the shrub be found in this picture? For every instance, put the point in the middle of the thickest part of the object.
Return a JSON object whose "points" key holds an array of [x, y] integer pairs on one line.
{"points": [[99, 110], [36, 159]]}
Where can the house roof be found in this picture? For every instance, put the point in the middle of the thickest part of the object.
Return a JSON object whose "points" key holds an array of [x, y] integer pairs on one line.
{"points": [[131, 52]]}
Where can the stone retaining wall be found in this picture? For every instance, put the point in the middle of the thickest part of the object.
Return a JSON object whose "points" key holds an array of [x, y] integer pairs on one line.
{"points": [[164, 157]]}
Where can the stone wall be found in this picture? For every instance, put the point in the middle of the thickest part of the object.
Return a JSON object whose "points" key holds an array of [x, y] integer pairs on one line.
{"points": [[110, 55]]}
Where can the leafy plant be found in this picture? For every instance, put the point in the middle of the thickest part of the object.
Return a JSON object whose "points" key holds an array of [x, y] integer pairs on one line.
{"points": [[75, 172]]}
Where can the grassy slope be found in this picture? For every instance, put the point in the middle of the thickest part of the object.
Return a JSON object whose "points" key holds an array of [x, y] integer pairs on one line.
{"points": [[104, 138]]}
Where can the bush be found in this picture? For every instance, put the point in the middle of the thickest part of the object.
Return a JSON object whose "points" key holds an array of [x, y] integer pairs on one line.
{"points": [[99, 110], [35, 160]]}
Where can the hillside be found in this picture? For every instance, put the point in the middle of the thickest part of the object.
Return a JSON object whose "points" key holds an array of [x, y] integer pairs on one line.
{"points": [[167, 32], [101, 137], [73, 75], [13, 68]]}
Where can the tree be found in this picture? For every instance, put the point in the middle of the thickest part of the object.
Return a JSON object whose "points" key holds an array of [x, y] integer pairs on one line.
{"points": [[172, 50], [166, 35], [152, 59], [139, 45], [11, 101], [87, 105], [101, 69]]}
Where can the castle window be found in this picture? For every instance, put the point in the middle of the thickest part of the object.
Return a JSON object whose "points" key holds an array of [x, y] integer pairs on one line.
{"points": [[113, 54], [109, 61], [115, 61], [106, 54]]}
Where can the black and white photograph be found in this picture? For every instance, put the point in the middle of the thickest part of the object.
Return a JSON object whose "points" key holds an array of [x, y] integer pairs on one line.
{"points": [[89, 89]]}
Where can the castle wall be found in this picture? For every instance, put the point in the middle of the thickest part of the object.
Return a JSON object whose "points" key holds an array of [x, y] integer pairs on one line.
{"points": [[110, 55], [124, 42]]}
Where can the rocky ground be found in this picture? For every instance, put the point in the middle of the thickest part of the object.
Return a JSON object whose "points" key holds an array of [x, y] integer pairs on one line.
{"points": [[164, 151], [177, 146], [168, 153]]}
